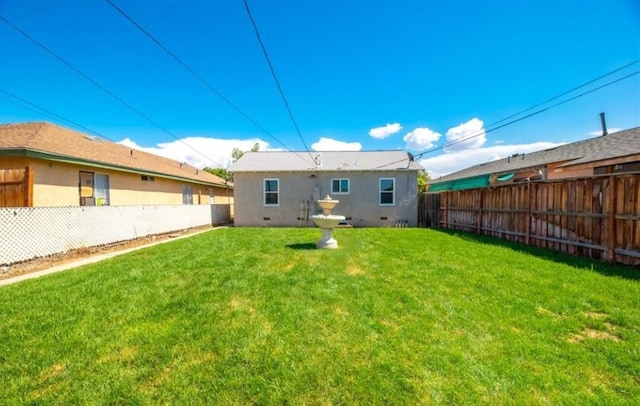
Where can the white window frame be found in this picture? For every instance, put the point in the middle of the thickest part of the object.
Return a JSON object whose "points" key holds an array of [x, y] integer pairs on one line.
{"points": [[393, 192], [339, 192], [264, 192]]}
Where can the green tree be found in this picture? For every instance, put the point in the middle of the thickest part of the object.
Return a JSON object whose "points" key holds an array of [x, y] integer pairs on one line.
{"points": [[221, 172], [236, 154], [423, 179]]}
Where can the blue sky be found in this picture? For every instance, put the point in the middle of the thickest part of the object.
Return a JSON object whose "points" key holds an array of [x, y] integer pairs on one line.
{"points": [[358, 74]]}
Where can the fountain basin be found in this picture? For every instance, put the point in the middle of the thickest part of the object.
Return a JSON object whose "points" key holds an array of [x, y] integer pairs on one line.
{"points": [[327, 222], [330, 221]]}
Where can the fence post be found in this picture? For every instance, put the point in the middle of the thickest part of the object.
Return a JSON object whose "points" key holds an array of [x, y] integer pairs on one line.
{"points": [[480, 205], [444, 220], [611, 219], [528, 216], [28, 186]]}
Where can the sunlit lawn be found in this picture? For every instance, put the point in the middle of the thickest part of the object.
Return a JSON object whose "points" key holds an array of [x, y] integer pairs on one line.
{"points": [[400, 316]]}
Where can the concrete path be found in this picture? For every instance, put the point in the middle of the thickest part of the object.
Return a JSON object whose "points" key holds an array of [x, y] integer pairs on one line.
{"points": [[91, 259]]}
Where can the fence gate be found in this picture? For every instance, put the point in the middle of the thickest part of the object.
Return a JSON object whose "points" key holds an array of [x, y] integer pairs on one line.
{"points": [[16, 187], [429, 210]]}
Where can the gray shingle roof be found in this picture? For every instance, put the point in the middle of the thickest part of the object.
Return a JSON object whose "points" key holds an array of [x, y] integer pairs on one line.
{"points": [[614, 145], [285, 161]]}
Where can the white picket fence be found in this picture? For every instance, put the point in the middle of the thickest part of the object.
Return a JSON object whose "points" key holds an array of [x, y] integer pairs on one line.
{"points": [[32, 232]]}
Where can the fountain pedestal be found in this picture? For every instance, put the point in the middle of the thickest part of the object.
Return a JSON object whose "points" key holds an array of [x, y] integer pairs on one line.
{"points": [[327, 222]]}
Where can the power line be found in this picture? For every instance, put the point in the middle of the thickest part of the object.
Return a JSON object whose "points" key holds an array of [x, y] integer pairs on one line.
{"points": [[194, 73], [49, 113], [535, 113], [41, 110], [275, 77], [565, 93], [101, 87]]}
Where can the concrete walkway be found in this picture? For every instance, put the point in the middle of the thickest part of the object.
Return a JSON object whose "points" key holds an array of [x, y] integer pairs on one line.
{"points": [[92, 259]]}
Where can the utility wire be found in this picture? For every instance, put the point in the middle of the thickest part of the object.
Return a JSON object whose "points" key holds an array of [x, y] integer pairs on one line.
{"points": [[275, 77], [194, 73], [101, 87], [41, 110], [535, 113], [565, 93]]}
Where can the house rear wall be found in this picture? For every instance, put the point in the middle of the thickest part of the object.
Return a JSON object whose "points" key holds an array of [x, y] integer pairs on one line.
{"points": [[299, 189], [56, 184]]}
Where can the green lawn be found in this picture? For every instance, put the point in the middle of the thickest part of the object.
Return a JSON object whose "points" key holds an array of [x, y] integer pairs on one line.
{"points": [[400, 316]]}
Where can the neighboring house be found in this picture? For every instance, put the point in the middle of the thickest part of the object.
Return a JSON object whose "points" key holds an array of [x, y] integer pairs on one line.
{"points": [[613, 153], [375, 188], [69, 168]]}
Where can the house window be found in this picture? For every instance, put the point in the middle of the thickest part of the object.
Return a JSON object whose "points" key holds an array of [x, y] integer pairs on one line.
{"points": [[387, 192], [187, 194], [94, 189], [271, 192], [147, 178], [85, 186], [101, 189], [340, 186]]}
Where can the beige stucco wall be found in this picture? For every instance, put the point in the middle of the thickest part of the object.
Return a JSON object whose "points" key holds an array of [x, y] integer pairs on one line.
{"points": [[296, 189], [56, 184]]}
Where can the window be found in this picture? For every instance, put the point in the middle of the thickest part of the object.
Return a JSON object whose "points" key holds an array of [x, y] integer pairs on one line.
{"points": [[187, 194], [147, 178], [102, 189], [340, 186], [85, 186], [271, 192], [94, 189], [387, 191]]}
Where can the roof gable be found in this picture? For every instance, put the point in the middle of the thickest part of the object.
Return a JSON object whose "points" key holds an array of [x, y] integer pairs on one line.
{"points": [[54, 142], [287, 161]]}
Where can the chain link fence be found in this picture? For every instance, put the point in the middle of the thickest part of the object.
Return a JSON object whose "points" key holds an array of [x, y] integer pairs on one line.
{"points": [[32, 232]]}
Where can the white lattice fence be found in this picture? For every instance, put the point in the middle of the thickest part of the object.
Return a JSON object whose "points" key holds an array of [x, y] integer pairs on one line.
{"points": [[27, 233]]}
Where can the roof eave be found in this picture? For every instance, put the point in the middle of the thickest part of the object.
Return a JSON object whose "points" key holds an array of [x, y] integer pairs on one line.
{"points": [[31, 153]]}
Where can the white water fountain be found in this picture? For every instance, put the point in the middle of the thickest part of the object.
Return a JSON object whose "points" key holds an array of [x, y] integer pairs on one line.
{"points": [[327, 222]]}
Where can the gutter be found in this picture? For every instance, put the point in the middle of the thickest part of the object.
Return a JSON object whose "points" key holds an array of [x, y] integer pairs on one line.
{"points": [[29, 153]]}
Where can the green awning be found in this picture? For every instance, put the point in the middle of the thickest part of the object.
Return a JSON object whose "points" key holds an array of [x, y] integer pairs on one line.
{"points": [[508, 176], [460, 184]]}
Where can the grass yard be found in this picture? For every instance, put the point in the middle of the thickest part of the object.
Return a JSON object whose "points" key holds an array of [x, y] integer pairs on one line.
{"points": [[400, 316]]}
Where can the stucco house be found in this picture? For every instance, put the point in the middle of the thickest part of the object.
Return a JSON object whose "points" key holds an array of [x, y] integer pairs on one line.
{"points": [[617, 152], [69, 168], [375, 188]]}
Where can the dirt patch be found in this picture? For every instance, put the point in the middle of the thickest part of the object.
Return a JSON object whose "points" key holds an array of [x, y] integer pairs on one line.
{"points": [[38, 264], [595, 315], [589, 333]]}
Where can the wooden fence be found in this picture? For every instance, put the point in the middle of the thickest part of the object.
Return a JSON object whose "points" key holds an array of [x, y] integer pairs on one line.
{"points": [[595, 217], [16, 187]]}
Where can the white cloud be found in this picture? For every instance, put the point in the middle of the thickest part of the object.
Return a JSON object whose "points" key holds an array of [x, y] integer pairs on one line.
{"points": [[609, 131], [199, 151], [469, 135], [421, 138], [329, 144], [381, 133], [454, 161]]}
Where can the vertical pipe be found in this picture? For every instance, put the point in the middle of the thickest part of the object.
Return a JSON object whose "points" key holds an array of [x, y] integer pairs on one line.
{"points": [[603, 122]]}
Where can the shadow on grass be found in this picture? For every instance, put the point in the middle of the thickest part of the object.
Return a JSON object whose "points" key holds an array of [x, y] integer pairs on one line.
{"points": [[618, 270], [302, 246]]}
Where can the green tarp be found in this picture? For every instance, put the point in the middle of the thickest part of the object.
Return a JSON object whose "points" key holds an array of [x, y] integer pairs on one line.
{"points": [[460, 184]]}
